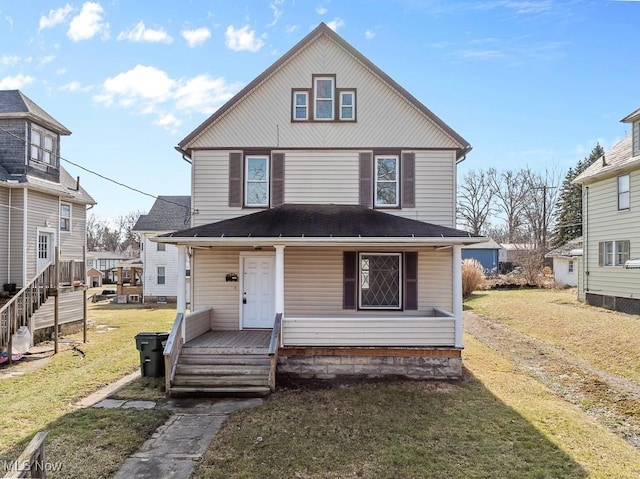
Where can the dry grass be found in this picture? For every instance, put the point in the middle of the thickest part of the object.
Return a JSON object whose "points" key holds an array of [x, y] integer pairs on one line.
{"points": [[472, 276], [606, 339]]}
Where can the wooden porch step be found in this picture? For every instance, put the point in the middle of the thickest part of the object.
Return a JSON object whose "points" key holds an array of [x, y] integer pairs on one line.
{"points": [[205, 381], [247, 391], [224, 351], [240, 359], [222, 369]]}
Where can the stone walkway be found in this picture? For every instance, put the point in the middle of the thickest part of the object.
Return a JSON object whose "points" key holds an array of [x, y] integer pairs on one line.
{"points": [[175, 447]]}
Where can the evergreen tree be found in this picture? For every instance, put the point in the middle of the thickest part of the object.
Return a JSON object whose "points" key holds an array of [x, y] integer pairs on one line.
{"points": [[569, 208]]}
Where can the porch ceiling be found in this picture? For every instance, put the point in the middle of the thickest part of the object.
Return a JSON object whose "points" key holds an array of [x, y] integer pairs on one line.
{"points": [[320, 224]]}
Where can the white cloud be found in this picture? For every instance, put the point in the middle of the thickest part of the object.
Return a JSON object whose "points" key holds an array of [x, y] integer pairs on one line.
{"points": [[9, 59], [291, 28], [55, 17], [47, 59], [71, 86], [88, 23], [320, 10], [242, 39], [277, 12], [140, 33], [147, 90], [16, 82], [9, 20], [196, 37], [336, 23], [369, 34], [61, 71]]}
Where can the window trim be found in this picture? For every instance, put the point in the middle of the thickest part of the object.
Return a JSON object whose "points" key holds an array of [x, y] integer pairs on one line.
{"points": [[614, 253], [294, 105], [351, 92], [331, 78], [69, 218], [400, 257], [163, 276], [376, 203], [571, 266], [40, 149], [161, 247], [623, 193], [267, 180]]}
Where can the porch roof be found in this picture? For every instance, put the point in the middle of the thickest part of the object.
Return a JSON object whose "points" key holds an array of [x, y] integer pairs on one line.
{"points": [[296, 223]]}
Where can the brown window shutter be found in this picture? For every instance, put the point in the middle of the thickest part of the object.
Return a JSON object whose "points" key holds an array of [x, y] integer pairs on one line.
{"points": [[408, 180], [601, 254], [235, 179], [350, 274], [410, 281], [277, 179], [366, 179]]}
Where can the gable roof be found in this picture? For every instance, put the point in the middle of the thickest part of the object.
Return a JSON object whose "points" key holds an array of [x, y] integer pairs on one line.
{"points": [[491, 244], [566, 249], [617, 159], [323, 30], [335, 222], [15, 104], [635, 115], [168, 213]]}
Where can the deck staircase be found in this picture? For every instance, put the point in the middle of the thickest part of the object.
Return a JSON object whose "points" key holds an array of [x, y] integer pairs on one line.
{"points": [[220, 363]]}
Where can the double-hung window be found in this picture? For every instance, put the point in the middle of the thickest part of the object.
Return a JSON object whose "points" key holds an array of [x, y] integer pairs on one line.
{"points": [[257, 181], [161, 278], [623, 192], [324, 91], [300, 105], [347, 105], [571, 266], [161, 247], [65, 217], [43, 146], [386, 180], [380, 280], [613, 253]]}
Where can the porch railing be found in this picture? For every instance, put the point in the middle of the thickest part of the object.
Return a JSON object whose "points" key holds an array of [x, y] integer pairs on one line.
{"points": [[71, 271], [18, 310], [31, 462], [274, 345]]}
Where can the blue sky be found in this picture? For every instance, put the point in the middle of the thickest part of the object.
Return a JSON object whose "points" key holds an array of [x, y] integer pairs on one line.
{"points": [[527, 82]]}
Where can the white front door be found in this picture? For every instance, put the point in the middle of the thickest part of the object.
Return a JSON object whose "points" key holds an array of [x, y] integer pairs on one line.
{"points": [[45, 249], [257, 299]]}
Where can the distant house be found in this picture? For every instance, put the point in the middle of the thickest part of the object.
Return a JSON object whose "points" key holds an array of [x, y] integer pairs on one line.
{"points": [[611, 225], [94, 277], [168, 213], [512, 252], [42, 209], [565, 262], [105, 262], [487, 253]]}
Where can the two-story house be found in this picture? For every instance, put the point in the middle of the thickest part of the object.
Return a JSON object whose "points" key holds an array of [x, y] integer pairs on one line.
{"points": [[610, 270], [323, 229], [160, 260], [42, 210]]}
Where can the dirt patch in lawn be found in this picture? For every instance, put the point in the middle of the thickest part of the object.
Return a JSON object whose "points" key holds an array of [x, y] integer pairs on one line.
{"points": [[612, 400]]}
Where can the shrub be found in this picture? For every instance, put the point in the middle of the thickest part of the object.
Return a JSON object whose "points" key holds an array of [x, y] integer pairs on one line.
{"points": [[472, 276]]}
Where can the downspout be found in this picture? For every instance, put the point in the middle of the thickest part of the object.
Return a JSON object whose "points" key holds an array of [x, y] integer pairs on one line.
{"points": [[9, 240], [585, 246], [25, 231]]}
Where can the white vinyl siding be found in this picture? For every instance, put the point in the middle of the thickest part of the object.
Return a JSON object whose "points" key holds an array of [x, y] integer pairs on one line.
{"points": [[4, 235], [70, 309], [606, 223], [17, 232], [152, 258], [72, 243], [43, 210], [261, 110]]}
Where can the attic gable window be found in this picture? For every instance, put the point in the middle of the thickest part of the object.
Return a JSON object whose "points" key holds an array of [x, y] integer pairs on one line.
{"points": [[43, 146], [324, 92], [300, 105], [347, 105], [324, 101]]}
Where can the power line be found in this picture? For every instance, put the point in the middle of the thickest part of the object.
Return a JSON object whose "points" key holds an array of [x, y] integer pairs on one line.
{"points": [[190, 210]]}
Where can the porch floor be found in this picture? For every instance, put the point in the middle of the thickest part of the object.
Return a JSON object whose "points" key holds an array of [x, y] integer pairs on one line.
{"points": [[221, 342]]}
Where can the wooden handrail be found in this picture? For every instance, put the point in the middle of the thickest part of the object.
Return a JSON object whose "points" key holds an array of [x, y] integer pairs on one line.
{"points": [[172, 349], [274, 345], [31, 462]]}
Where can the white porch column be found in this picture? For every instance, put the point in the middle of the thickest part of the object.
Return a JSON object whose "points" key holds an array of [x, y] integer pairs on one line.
{"points": [[181, 298], [279, 278], [457, 294]]}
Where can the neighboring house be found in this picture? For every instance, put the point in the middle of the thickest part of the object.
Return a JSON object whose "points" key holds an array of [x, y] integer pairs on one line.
{"points": [[565, 262], [94, 277], [323, 199], [487, 253], [611, 225], [105, 262], [513, 252], [42, 209], [168, 213]]}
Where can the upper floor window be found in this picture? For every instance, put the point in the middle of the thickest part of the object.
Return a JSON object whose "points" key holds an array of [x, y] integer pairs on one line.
{"points": [[324, 91], [161, 278], [65, 217], [161, 247], [613, 253], [300, 105], [623, 192], [386, 180], [347, 105], [43, 146], [257, 181]]}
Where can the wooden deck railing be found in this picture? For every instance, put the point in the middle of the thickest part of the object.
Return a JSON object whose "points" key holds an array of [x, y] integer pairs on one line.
{"points": [[19, 309], [31, 462], [71, 271], [274, 345]]}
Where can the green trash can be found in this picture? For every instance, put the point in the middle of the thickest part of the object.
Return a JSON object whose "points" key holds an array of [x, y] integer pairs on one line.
{"points": [[151, 347]]}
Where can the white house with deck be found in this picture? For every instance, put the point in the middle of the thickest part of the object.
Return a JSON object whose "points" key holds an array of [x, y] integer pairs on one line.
{"points": [[323, 238]]}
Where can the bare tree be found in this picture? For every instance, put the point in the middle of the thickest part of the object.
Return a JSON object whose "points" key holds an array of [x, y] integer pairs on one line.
{"points": [[114, 235], [474, 201], [129, 239], [510, 192], [539, 206]]}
